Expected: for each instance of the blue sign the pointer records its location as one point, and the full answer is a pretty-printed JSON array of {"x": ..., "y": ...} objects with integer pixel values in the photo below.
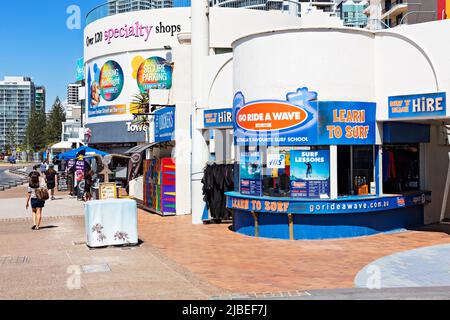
[
  {"x": 250, "y": 174},
  {"x": 80, "y": 69},
  {"x": 218, "y": 118},
  {"x": 418, "y": 105},
  {"x": 346, "y": 123},
  {"x": 276, "y": 122},
  {"x": 344, "y": 205},
  {"x": 310, "y": 174},
  {"x": 165, "y": 125}
]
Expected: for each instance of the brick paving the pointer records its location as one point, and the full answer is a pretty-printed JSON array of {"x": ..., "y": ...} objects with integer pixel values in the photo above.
[
  {"x": 178, "y": 260},
  {"x": 241, "y": 264}
]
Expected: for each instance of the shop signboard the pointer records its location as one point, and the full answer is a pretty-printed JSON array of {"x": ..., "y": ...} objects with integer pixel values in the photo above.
[
  {"x": 165, "y": 125},
  {"x": 346, "y": 123},
  {"x": 297, "y": 206},
  {"x": 113, "y": 82},
  {"x": 218, "y": 118},
  {"x": 108, "y": 191},
  {"x": 310, "y": 173},
  {"x": 80, "y": 69},
  {"x": 276, "y": 161},
  {"x": 276, "y": 122},
  {"x": 250, "y": 174},
  {"x": 417, "y": 106}
]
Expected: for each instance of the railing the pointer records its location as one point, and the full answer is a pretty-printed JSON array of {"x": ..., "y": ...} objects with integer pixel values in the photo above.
[
  {"x": 285, "y": 6},
  {"x": 119, "y": 6}
]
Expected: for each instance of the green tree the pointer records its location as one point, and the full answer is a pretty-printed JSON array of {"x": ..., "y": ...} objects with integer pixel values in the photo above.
[
  {"x": 11, "y": 136},
  {"x": 35, "y": 132},
  {"x": 53, "y": 128},
  {"x": 139, "y": 105}
]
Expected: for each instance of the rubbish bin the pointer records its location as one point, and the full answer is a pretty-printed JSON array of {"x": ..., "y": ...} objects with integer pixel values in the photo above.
[{"x": 111, "y": 222}]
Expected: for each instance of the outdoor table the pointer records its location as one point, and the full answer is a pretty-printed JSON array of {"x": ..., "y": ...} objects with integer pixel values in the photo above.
[{"x": 111, "y": 222}]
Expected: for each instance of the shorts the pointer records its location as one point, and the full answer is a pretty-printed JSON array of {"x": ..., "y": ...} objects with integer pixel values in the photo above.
[
  {"x": 36, "y": 203},
  {"x": 51, "y": 185}
]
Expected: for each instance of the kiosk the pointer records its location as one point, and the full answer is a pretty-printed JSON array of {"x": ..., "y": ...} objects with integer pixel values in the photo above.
[{"x": 311, "y": 169}]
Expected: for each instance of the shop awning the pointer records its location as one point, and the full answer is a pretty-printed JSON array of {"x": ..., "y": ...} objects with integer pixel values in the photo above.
[
  {"x": 143, "y": 147},
  {"x": 62, "y": 145},
  {"x": 140, "y": 148},
  {"x": 72, "y": 154}
]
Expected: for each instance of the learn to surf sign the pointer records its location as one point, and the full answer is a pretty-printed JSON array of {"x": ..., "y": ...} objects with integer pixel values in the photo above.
[{"x": 276, "y": 122}]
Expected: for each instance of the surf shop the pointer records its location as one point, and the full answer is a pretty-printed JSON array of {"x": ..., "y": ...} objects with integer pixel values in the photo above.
[{"x": 311, "y": 169}]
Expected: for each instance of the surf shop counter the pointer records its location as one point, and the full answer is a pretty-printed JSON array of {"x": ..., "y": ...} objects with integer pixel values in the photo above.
[{"x": 352, "y": 216}]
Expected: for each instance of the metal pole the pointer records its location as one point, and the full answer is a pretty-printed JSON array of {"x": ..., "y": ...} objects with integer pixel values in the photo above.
[
  {"x": 401, "y": 21},
  {"x": 446, "y": 191},
  {"x": 199, "y": 148}
]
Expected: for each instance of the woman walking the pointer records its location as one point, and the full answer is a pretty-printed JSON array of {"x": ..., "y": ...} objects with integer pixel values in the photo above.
[
  {"x": 36, "y": 193},
  {"x": 51, "y": 176}
]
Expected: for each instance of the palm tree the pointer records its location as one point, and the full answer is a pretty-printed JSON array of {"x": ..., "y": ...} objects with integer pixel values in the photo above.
[{"x": 139, "y": 105}]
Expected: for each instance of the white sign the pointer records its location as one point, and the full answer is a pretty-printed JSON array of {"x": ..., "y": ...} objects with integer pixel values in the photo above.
[{"x": 276, "y": 161}]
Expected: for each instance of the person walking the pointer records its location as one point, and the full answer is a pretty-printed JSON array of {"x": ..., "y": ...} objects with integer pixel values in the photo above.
[
  {"x": 43, "y": 167},
  {"x": 88, "y": 182},
  {"x": 51, "y": 177},
  {"x": 35, "y": 194}
]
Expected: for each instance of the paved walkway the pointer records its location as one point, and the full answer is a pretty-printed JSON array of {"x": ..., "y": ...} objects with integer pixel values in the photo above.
[
  {"x": 13, "y": 201},
  {"x": 177, "y": 260},
  {"x": 423, "y": 267},
  {"x": 242, "y": 264}
]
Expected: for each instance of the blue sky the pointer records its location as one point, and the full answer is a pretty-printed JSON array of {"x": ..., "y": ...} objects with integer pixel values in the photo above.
[{"x": 35, "y": 42}]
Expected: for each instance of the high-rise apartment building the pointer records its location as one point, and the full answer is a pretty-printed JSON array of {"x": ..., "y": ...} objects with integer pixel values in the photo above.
[
  {"x": 120, "y": 6},
  {"x": 40, "y": 99},
  {"x": 293, "y": 7},
  {"x": 17, "y": 99},
  {"x": 392, "y": 13},
  {"x": 351, "y": 12}
]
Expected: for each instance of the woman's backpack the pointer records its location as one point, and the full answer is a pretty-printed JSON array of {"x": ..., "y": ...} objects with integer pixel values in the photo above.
[
  {"x": 42, "y": 194},
  {"x": 34, "y": 180}
]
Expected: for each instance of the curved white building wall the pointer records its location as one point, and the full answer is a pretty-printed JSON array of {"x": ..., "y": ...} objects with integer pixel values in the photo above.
[
  {"x": 333, "y": 63},
  {"x": 352, "y": 65}
]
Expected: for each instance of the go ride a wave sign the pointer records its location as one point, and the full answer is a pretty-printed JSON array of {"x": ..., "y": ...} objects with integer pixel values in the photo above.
[
  {"x": 303, "y": 120},
  {"x": 276, "y": 122}
]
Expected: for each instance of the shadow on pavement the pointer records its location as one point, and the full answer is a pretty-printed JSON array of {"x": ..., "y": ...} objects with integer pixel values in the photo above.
[
  {"x": 48, "y": 227},
  {"x": 443, "y": 227}
]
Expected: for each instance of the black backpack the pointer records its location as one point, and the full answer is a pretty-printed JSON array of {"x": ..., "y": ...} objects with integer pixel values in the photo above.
[{"x": 34, "y": 179}]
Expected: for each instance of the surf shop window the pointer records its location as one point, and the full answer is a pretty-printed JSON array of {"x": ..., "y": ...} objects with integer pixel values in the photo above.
[
  {"x": 401, "y": 169},
  {"x": 299, "y": 172},
  {"x": 356, "y": 170}
]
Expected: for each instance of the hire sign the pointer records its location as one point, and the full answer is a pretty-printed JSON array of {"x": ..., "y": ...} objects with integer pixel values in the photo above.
[{"x": 418, "y": 105}]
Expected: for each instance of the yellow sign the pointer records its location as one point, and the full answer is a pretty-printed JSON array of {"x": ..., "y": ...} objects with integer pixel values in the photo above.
[{"x": 108, "y": 191}]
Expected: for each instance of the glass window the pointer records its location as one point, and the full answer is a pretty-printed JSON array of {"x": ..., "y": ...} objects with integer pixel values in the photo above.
[
  {"x": 401, "y": 168},
  {"x": 356, "y": 170},
  {"x": 300, "y": 172}
]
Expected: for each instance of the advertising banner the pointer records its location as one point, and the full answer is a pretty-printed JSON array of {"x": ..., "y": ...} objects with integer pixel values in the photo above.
[
  {"x": 80, "y": 69},
  {"x": 105, "y": 84},
  {"x": 218, "y": 118},
  {"x": 113, "y": 82},
  {"x": 250, "y": 174},
  {"x": 165, "y": 125},
  {"x": 276, "y": 122},
  {"x": 346, "y": 123},
  {"x": 310, "y": 174},
  {"x": 417, "y": 105}
]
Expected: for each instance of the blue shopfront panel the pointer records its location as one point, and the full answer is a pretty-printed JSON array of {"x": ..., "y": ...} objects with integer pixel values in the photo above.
[
  {"x": 403, "y": 132},
  {"x": 316, "y": 227},
  {"x": 244, "y": 223},
  {"x": 273, "y": 225},
  {"x": 427, "y": 105}
]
